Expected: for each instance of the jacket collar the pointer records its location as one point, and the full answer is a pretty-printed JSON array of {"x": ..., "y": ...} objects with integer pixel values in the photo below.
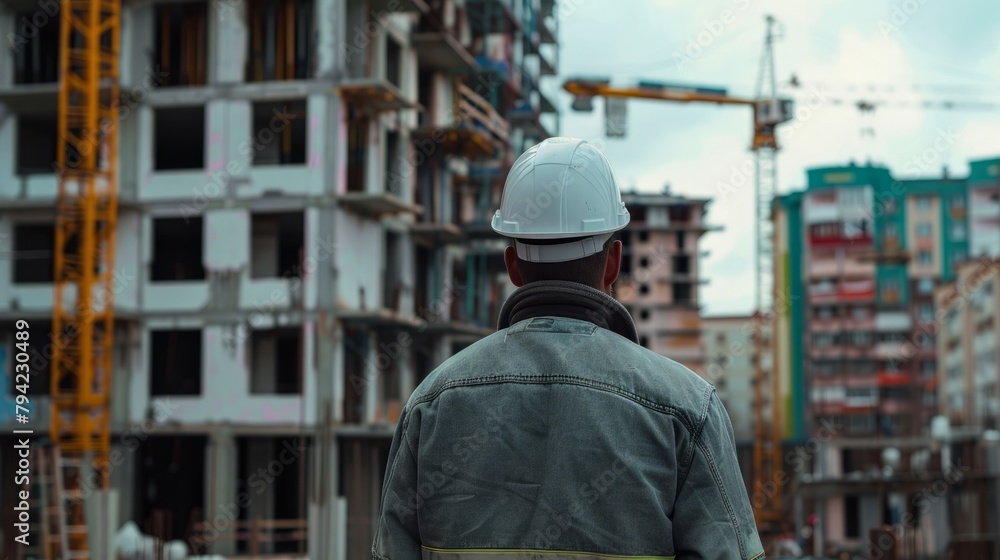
[{"x": 557, "y": 298}]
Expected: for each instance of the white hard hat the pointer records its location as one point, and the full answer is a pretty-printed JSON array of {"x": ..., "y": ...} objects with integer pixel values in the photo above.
[{"x": 562, "y": 188}]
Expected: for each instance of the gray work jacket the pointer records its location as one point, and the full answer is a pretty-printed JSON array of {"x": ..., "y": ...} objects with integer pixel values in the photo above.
[{"x": 556, "y": 438}]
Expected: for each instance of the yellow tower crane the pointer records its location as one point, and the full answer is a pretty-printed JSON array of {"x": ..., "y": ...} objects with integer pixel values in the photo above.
[
  {"x": 768, "y": 112},
  {"x": 83, "y": 318}
]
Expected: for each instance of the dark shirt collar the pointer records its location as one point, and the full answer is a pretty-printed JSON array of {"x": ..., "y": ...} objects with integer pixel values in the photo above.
[{"x": 557, "y": 298}]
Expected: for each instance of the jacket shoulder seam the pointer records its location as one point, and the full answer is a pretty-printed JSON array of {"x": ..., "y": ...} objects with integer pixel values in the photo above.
[
  {"x": 688, "y": 458},
  {"x": 563, "y": 379}
]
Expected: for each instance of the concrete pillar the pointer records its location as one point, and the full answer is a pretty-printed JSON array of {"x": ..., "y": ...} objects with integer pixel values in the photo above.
[
  {"x": 819, "y": 536},
  {"x": 220, "y": 487},
  {"x": 337, "y": 46},
  {"x": 227, "y": 34},
  {"x": 260, "y": 452},
  {"x": 370, "y": 389}
]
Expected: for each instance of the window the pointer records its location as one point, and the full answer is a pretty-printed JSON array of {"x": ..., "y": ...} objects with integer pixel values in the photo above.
[
  {"x": 642, "y": 236},
  {"x": 860, "y": 367},
  {"x": 393, "y": 56},
  {"x": 924, "y": 257},
  {"x": 889, "y": 232},
  {"x": 680, "y": 240},
  {"x": 644, "y": 262},
  {"x": 923, "y": 202},
  {"x": 644, "y": 315},
  {"x": 824, "y": 368},
  {"x": 925, "y": 286},
  {"x": 643, "y": 289},
  {"x": 396, "y": 170},
  {"x": 823, "y": 340},
  {"x": 861, "y": 313},
  {"x": 958, "y": 231},
  {"x": 34, "y": 245},
  {"x": 928, "y": 368},
  {"x": 890, "y": 290},
  {"x": 923, "y": 229},
  {"x": 175, "y": 362},
  {"x": 682, "y": 292},
  {"x": 889, "y": 206},
  {"x": 679, "y": 213},
  {"x": 925, "y": 312},
  {"x": 682, "y": 264},
  {"x": 957, "y": 201},
  {"x": 36, "y": 142},
  {"x": 958, "y": 257},
  {"x": 177, "y": 246},
  {"x": 277, "y": 243},
  {"x": 279, "y": 132},
  {"x": 275, "y": 358},
  {"x": 180, "y": 43},
  {"x": 925, "y": 340},
  {"x": 859, "y": 338},
  {"x": 36, "y": 57},
  {"x": 179, "y": 138},
  {"x": 861, "y": 393},
  {"x": 279, "y": 42},
  {"x": 825, "y": 313}
]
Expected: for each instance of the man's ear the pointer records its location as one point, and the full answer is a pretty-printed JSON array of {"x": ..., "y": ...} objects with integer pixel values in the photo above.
[
  {"x": 613, "y": 266},
  {"x": 510, "y": 259}
]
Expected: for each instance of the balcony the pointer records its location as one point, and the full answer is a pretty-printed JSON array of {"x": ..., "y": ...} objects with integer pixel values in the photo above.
[
  {"x": 476, "y": 130},
  {"x": 376, "y": 93},
  {"x": 376, "y": 205},
  {"x": 894, "y": 379},
  {"x": 435, "y": 234},
  {"x": 893, "y": 321},
  {"x": 441, "y": 51}
]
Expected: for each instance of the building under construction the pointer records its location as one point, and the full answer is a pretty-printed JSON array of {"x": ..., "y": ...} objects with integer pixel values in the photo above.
[
  {"x": 858, "y": 343},
  {"x": 304, "y": 190}
]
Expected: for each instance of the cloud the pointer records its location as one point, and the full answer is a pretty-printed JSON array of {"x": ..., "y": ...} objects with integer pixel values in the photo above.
[{"x": 834, "y": 43}]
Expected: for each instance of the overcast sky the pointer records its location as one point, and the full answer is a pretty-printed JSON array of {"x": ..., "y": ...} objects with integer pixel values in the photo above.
[{"x": 838, "y": 49}]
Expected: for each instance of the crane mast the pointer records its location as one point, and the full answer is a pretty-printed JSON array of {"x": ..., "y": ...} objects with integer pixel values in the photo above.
[{"x": 86, "y": 211}]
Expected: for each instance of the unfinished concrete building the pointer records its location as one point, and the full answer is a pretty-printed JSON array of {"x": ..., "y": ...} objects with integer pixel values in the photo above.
[
  {"x": 304, "y": 192},
  {"x": 660, "y": 278}
]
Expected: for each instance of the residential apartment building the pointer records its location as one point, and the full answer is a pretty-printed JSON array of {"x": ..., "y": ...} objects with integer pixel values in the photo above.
[
  {"x": 858, "y": 254},
  {"x": 304, "y": 195},
  {"x": 969, "y": 345},
  {"x": 729, "y": 366},
  {"x": 660, "y": 274}
]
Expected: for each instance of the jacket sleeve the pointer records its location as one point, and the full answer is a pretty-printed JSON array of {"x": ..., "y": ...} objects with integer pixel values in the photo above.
[
  {"x": 396, "y": 535},
  {"x": 712, "y": 516}
]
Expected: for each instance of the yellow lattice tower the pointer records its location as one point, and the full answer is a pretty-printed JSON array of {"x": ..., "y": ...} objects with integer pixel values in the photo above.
[{"x": 83, "y": 319}]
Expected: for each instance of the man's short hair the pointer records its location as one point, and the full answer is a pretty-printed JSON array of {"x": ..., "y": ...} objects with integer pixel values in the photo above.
[{"x": 589, "y": 270}]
